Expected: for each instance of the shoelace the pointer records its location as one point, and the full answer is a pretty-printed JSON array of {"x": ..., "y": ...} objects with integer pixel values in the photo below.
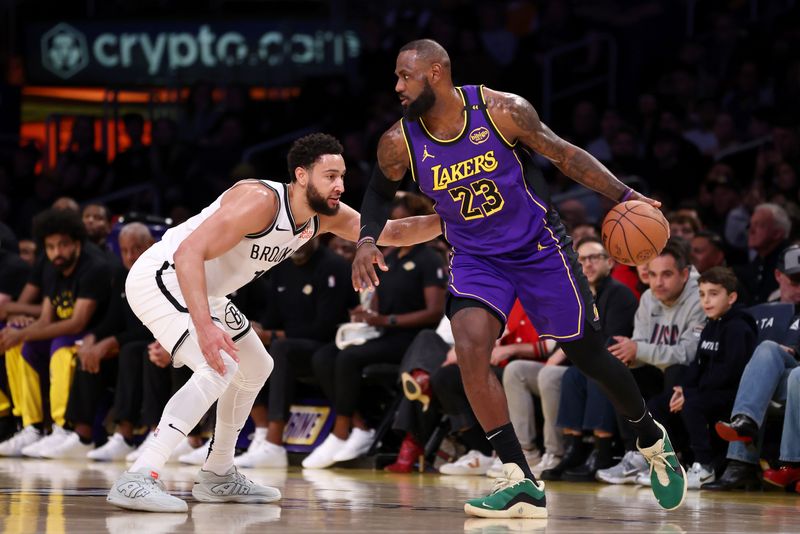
[
  {"x": 240, "y": 478},
  {"x": 155, "y": 482},
  {"x": 501, "y": 483},
  {"x": 660, "y": 463}
]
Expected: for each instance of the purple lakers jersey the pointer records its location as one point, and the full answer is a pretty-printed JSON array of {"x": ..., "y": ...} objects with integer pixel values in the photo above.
[{"x": 477, "y": 183}]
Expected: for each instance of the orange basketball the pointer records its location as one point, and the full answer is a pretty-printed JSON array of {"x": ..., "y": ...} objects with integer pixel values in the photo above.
[{"x": 634, "y": 232}]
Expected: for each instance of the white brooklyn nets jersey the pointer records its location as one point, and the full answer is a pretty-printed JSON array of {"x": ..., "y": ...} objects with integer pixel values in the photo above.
[{"x": 255, "y": 254}]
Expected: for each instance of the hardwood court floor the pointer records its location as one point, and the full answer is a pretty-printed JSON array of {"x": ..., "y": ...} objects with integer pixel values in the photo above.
[{"x": 59, "y": 497}]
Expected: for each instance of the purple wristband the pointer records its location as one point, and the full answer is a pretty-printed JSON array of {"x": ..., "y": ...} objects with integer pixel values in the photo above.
[
  {"x": 628, "y": 194},
  {"x": 366, "y": 239}
]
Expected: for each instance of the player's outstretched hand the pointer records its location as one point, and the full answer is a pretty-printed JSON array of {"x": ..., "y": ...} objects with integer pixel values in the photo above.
[
  {"x": 212, "y": 340},
  {"x": 364, "y": 275}
]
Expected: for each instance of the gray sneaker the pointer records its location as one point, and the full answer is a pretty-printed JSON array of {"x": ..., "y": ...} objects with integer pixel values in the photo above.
[
  {"x": 144, "y": 492},
  {"x": 231, "y": 487},
  {"x": 632, "y": 465}
]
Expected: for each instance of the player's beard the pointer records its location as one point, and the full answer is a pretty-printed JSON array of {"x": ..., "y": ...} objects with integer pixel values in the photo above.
[
  {"x": 318, "y": 202},
  {"x": 66, "y": 263},
  {"x": 420, "y": 105}
]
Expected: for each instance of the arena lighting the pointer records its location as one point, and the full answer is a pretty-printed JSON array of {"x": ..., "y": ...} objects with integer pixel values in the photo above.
[{"x": 143, "y": 96}]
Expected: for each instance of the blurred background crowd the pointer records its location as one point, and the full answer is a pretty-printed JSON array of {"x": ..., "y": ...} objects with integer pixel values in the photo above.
[{"x": 692, "y": 103}]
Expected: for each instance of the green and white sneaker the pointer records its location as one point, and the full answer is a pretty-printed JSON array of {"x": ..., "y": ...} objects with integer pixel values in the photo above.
[
  {"x": 513, "y": 496},
  {"x": 667, "y": 476}
]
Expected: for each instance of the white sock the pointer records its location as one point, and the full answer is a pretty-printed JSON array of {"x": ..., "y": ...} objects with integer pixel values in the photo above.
[
  {"x": 260, "y": 434},
  {"x": 233, "y": 409},
  {"x": 234, "y": 405},
  {"x": 186, "y": 407}
]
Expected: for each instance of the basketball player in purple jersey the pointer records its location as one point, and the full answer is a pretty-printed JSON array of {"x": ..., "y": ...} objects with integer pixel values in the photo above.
[{"x": 466, "y": 148}]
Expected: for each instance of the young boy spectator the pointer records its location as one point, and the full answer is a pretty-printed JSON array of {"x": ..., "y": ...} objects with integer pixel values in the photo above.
[
  {"x": 708, "y": 386},
  {"x": 764, "y": 379}
]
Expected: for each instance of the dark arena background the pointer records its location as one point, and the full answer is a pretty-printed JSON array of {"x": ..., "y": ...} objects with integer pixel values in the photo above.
[{"x": 146, "y": 111}]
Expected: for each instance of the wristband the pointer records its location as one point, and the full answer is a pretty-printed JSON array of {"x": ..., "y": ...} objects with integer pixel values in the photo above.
[
  {"x": 628, "y": 194},
  {"x": 365, "y": 239}
]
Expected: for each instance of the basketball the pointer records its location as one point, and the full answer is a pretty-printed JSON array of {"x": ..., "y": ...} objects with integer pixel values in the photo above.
[{"x": 634, "y": 232}]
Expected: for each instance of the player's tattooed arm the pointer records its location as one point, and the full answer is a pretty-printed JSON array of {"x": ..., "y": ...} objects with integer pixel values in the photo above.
[
  {"x": 517, "y": 120},
  {"x": 392, "y": 153}
]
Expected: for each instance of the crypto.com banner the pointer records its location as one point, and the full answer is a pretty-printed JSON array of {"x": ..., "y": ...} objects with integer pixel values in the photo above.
[{"x": 149, "y": 53}]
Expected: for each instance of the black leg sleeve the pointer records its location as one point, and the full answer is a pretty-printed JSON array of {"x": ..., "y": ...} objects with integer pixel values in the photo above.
[{"x": 590, "y": 355}]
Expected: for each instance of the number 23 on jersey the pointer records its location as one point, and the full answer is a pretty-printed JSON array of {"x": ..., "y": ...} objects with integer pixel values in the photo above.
[{"x": 471, "y": 206}]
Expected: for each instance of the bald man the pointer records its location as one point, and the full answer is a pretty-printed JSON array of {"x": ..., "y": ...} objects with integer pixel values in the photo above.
[{"x": 469, "y": 150}]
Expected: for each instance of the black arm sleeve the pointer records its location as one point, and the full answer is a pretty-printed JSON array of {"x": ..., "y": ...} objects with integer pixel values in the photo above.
[{"x": 377, "y": 204}]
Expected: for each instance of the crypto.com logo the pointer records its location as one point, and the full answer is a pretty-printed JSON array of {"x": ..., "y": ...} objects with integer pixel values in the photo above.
[{"x": 64, "y": 51}]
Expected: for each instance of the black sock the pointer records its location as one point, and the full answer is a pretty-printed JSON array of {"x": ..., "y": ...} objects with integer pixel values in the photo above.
[
  {"x": 505, "y": 442},
  {"x": 603, "y": 446},
  {"x": 474, "y": 439},
  {"x": 646, "y": 429},
  {"x": 39, "y": 427},
  {"x": 129, "y": 441}
]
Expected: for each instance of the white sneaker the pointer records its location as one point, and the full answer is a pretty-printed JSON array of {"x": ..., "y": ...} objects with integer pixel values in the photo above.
[
  {"x": 548, "y": 461},
  {"x": 196, "y": 456},
  {"x": 627, "y": 471},
  {"x": 532, "y": 456},
  {"x": 472, "y": 463},
  {"x": 322, "y": 456},
  {"x": 135, "y": 453},
  {"x": 70, "y": 447},
  {"x": 231, "y": 487},
  {"x": 184, "y": 447},
  {"x": 643, "y": 479},
  {"x": 496, "y": 469},
  {"x": 263, "y": 454},
  {"x": 22, "y": 438},
  {"x": 699, "y": 474},
  {"x": 46, "y": 443},
  {"x": 356, "y": 445},
  {"x": 143, "y": 491},
  {"x": 116, "y": 448}
]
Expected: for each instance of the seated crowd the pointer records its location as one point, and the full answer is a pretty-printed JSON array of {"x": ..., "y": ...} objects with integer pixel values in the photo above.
[{"x": 713, "y": 348}]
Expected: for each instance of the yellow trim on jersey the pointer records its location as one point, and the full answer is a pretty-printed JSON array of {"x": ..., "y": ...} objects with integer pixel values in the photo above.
[
  {"x": 525, "y": 182},
  {"x": 476, "y": 297},
  {"x": 411, "y": 162},
  {"x": 456, "y": 138},
  {"x": 489, "y": 115},
  {"x": 574, "y": 289}
]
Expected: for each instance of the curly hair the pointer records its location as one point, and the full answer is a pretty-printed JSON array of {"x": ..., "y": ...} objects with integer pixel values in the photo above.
[
  {"x": 52, "y": 222},
  {"x": 307, "y": 150}
]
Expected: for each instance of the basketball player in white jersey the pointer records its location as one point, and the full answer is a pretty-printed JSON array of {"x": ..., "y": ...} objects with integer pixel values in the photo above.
[{"x": 178, "y": 289}]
